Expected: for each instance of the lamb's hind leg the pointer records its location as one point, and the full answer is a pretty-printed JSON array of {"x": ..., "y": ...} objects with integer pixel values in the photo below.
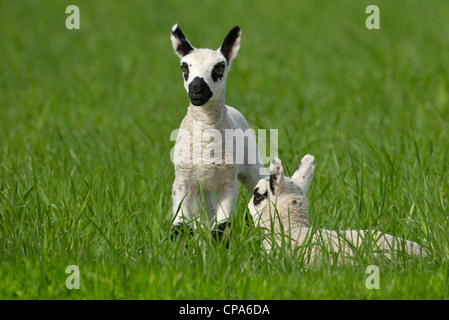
[{"x": 386, "y": 244}]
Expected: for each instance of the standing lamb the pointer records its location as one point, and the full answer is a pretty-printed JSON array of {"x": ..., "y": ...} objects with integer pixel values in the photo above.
[
  {"x": 279, "y": 205},
  {"x": 211, "y": 138}
]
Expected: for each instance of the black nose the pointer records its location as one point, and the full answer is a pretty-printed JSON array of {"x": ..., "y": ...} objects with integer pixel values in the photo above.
[{"x": 199, "y": 91}]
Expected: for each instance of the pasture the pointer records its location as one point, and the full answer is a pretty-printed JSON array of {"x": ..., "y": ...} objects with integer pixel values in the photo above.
[{"x": 86, "y": 117}]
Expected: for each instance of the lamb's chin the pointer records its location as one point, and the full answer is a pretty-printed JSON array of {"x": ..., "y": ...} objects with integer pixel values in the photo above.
[{"x": 198, "y": 102}]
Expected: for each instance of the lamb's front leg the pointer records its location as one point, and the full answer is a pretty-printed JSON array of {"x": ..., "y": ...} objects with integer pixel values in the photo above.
[
  {"x": 186, "y": 197},
  {"x": 227, "y": 197}
]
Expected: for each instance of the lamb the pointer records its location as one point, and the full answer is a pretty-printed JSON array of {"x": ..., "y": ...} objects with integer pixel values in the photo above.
[
  {"x": 279, "y": 205},
  {"x": 211, "y": 137}
]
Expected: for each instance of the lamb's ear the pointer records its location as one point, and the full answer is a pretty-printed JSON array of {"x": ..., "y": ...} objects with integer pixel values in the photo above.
[
  {"x": 304, "y": 172},
  {"x": 276, "y": 176},
  {"x": 181, "y": 45},
  {"x": 231, "y": 44}
]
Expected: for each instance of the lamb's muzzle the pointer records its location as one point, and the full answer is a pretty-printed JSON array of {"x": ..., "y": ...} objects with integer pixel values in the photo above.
[{"x": 199, "y": 92}]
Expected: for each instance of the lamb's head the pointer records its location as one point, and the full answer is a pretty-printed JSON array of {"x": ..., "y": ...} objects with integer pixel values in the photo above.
[
  {"x": 282, "y": 199},
  {"x": 205, "y": 70}
]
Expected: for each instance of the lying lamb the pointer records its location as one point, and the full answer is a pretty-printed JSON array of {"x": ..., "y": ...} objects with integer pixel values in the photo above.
[{"x": 279, "y": 205}]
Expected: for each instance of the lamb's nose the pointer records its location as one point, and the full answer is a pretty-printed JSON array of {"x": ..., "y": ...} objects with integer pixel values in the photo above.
[
  {"x": 197, "y": 86},
  {"x": 199, "y": 91}
]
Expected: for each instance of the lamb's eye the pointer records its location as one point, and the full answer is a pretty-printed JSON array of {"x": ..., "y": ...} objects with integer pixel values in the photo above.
[
  {"x": 185, "y": 70},
  {"x": 218, "y": 71},
  {"x": 259, "y": 197}
]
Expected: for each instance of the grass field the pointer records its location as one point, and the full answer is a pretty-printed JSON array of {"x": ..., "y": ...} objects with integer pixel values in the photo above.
[{"x": 85, "y": 123}]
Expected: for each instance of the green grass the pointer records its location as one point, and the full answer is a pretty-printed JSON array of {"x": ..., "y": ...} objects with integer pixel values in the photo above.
[{"x": 85, "y": 123}]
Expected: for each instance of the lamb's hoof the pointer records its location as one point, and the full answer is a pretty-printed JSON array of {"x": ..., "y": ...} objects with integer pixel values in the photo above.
[
  {"x": 222, "y": 231},
  {"x": 178, "y": 231}
]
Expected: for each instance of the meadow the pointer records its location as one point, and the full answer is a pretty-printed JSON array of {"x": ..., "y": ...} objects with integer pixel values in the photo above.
[{"x": 85, "y": 123}]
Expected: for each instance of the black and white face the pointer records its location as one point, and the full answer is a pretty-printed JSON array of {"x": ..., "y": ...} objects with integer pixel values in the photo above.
[
  {"x": 204, "y": 70},
  {"x": 281, "y": 194},
  {"x": 259, "y": 200}
]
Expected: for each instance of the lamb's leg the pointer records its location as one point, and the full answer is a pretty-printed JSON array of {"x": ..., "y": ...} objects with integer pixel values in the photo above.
[
  {"x": 209, "y": 204},
  {"x": 227, "y": 199},
  {"x": 385, "y": 243},
  {"x": 186, "y": 197}
]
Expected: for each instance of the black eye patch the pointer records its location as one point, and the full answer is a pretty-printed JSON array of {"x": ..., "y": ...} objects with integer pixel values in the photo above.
[
  {"x": 185, "y": 70},
  {"x": 259, "y": 197},
  {"x": 218, "y": 71}
]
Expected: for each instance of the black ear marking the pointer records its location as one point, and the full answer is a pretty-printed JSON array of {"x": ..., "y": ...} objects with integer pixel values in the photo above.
[
  {"x": 182, "y": 46},
  {"x": 276, "y": 175},
  {"x": 273, "y": 178},
  {"x": 231, "y": 44}
]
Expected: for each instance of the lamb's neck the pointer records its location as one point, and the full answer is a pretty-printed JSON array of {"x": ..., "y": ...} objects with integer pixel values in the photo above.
[{"x": 209, "y": 113}]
